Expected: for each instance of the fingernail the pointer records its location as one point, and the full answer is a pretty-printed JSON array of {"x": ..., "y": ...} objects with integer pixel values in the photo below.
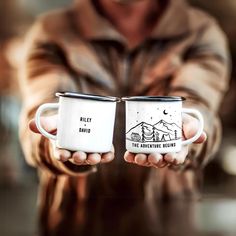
[{"x": 65, "y": 158}]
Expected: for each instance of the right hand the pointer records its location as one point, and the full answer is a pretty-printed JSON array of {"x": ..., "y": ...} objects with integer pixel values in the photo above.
[{"x": 78, "y": 158}]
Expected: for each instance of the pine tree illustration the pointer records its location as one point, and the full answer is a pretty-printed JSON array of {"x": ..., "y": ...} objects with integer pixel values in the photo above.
[
  {"x": 143, "y": 137},
  {"x": 153, "y": 133},
  {"x": 176, "y": 134}
]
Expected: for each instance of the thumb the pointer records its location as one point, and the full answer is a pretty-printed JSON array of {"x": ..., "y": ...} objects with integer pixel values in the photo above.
[
  {"x": 49, "y": 123},
  {"x": 190, "y": 128}
]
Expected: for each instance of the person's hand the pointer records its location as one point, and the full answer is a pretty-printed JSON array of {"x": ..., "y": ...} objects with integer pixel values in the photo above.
[
  {"x": 190, "y": 127},
  {"x": 79, "y": 157}
]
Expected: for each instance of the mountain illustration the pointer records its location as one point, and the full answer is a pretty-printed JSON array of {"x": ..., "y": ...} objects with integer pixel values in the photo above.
[
  {"x": 168, "y": 127},
  {"x": 161, "y": 131}
]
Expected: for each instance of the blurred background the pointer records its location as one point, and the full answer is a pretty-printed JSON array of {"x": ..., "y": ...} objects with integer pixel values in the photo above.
[{"x": 214, "y": 215}]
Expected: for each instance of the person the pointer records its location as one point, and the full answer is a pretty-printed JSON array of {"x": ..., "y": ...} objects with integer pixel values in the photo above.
[{"x": 122, "y": 48}]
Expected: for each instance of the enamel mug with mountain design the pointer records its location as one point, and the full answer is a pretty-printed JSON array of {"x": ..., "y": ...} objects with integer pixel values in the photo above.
[{"x": 154, "y": 124}]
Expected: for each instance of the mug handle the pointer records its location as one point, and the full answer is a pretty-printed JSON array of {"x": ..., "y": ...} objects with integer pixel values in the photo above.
[
  {"x": 201, "y": 125},
  {"x": 40, "y": 110}
]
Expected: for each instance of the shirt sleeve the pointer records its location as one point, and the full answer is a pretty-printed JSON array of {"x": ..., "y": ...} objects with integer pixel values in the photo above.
[
  {"x": 203, "y": 79},
  {"x": 43, "y": 73}
]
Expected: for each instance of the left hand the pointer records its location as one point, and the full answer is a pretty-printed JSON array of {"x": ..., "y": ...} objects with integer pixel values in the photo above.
[
  {"x": 190, "y": 127},
  {"x": 49, "y": 123}
]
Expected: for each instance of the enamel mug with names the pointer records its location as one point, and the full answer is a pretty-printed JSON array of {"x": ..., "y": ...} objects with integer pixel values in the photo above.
[
  {"x": 154, "y": 124},
  {"x": 85, "y": 122}
]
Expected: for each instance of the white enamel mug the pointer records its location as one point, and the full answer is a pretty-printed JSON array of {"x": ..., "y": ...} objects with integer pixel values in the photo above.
[
  {"x": 85, "y": 122},
  {"x": 154, "y": 124}
]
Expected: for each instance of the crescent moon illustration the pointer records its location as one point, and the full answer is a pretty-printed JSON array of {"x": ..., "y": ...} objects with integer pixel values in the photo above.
[{"x": 164, "y": 112}]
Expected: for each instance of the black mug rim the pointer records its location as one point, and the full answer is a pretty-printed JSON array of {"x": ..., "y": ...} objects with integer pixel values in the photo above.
[
  {"x": 88, "y": 96},
  {"x": 153, "y": 98}
]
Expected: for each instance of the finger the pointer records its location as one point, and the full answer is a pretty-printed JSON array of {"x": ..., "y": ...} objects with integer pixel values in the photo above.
[
  {"x": 93, "y": 158},
  {"x": 107, "y": 157},
  {"x": 170, "y": 157},
  {"x": 140, "y": 159},
  {"x": 61, "y": 154},
  {"x": 129, "y": 157},
  {"x": 156, "y": 159},
  {"x": 161, "y": 164},
  {"x": 147, "y": 164},
  {"x": 181, "y": 156},
  {"x": 48, "y": 123},
  {"x": 177, "y": 158},
  {"x": 79, "y": 157},
  {"x": 190, "y": 128}
]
